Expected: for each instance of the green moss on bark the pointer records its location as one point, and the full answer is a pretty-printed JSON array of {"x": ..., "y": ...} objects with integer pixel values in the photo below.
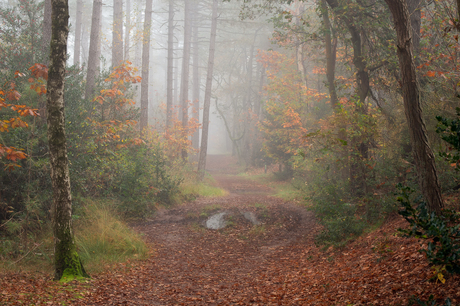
[
  {"x": 74, "y": 270},
  {"x": 67, "y": 262}
]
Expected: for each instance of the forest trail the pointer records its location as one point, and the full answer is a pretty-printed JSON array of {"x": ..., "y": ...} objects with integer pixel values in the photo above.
[
  {"x": 193, "y": 265},
  {"x": 273, "y": 263}
]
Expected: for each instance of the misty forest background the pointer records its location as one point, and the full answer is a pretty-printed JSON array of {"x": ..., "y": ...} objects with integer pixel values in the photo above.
[{"x": 288, "y": 85}]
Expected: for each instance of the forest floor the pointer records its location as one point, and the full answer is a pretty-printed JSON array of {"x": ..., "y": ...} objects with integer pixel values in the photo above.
[{"x": 273, "y": 263}]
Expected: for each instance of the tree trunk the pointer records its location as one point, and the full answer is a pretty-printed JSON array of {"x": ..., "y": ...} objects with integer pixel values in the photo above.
[
  {"x": 117, "y": 33},
  {"x": 169, "y": 74},
  {"x": 145, "y": 67},
  {"x": 423, "y": 155},
  {"x": 66, "y": 261},
  {"x": 84, "y": 44},
  {"x": 415, "y": 14},
  {"x": 207, "y": 94},
  {"x": 46, "y": 31},
  {"x": 458, "y": 10},
  {"x": 128, "y": 29},
  {"x": 331, "y": 55},
  {"x": 77, "y": 45},
  {"x": 184, "y": 85},
  {"x": 93, "y": 58},
  {"x": 196, "y": 75},
  {"x": 358, "y": 182},
  {"x": 138, "y": 53}
]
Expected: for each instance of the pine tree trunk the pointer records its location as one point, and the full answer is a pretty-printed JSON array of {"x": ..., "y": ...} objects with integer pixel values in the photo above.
[
  {"x": 207, "y": 94},
  {"x": 84, "y": 44},
  {"x": 169, "y": 73},
  {"x": 117, "y": 33},
  {"x": 128, "y": 29},
  {"x": 184, "y": 86},
  {"x": 77, "y": 45},
  {"x": 46, "y": 31},
  {"x": 145, "y": 67},
  {"x": 66, "y": 261},
  {"x": 360, "y": 147},
  {"x": 423, "y": 155},
  {"x": 93, "y": 58},
  {"x": 331, "y": 55},
  {"x": 196, "y": 75},
  {"x": 138, "y": 53}
]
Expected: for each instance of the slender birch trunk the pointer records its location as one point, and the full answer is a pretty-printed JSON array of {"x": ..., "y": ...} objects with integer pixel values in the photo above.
[{"x": 67, "y": 263}]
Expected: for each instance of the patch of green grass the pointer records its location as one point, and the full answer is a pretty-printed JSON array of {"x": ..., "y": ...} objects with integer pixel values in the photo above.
[
  {"x": 288, "y": 192},
  {"x": 102, "y": 238},
  {"x": 263, "y": 210},
  {"x": 257, "y": 230},
  {"x": 260, "y": 205},
  {"x": 196, "y": 227},
  {"x": 285, "y": 190},
  {"x": 192, "y": 190},
  {"x": 208, "y": 209}
]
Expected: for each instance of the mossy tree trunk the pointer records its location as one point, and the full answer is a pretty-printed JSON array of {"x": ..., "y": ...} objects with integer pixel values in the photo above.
[{"x": 67, "y": 263}]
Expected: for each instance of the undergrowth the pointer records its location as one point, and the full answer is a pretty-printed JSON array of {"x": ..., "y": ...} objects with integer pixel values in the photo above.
[{"x": 101, "y": 237}]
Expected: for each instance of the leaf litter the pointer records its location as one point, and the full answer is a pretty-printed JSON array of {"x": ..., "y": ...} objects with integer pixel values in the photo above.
[{"x": 274, "y": 263}]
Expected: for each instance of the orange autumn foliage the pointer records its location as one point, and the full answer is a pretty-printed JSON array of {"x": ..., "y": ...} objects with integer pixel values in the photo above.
[{"x": 9, "y": 93}]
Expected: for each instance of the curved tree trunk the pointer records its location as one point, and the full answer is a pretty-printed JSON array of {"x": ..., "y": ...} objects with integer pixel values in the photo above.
[
  {"x": 66, "y": 261},
  {"x": 423, "y": 155}
]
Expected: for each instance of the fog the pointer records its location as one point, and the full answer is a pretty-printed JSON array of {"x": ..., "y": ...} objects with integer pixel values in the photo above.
[{"x": 235, "y": 38}]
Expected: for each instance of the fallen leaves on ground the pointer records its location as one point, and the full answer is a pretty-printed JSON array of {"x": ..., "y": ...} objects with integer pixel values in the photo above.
[{"x": 276, "y": 263}]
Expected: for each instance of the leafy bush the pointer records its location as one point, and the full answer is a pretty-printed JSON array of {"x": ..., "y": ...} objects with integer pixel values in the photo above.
[
  {"x": 442, "y": 232},
  {"x": 143, "y": 178},
  {"x": 449, "y": 129},
  {"x": 339, "y": 217}
]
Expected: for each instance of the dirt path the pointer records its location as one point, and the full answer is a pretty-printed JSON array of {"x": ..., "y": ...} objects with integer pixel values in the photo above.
[
  {"x": 273, "y": 263},
  {"x": 193, "y": 265}
]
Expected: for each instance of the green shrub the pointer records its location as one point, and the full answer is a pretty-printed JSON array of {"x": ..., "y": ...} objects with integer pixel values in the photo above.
[
  {"x": 441, "y": 232},
  {"x": 338, "y": 216}
]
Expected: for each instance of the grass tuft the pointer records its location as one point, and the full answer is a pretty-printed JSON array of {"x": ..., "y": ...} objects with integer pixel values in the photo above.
[
  {"x": 192, "y": 190},
  {"x": 102, "y": 238}
]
